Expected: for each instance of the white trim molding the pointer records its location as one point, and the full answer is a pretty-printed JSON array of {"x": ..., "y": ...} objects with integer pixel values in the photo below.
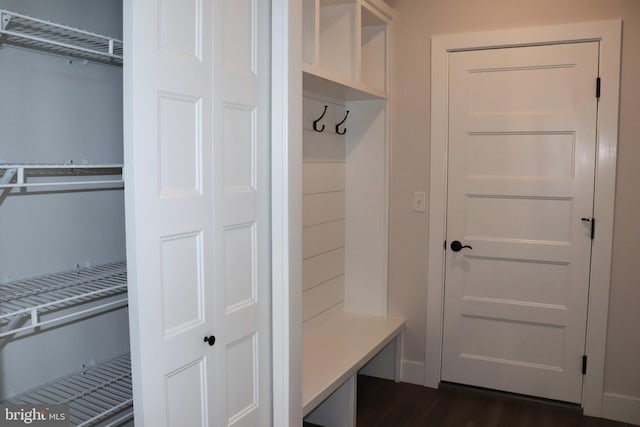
[
  {"x": 609, "y": 35},
  {"x": 621, "y": 408},
  {"x": 412, "y": 372},
  {"x": 286, "y": 212}
]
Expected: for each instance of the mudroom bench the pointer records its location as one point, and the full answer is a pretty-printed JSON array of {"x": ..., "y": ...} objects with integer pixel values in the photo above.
[{"x": 334, "y": 351}]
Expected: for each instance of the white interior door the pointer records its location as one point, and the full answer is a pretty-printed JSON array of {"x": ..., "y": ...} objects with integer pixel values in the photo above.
[
  {"x": 197, "y": 198},
  {"x": 522, "y": 134}
]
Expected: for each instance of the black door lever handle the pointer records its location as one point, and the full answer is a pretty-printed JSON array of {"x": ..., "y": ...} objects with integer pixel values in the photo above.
[{"x": 456, "y": 246}]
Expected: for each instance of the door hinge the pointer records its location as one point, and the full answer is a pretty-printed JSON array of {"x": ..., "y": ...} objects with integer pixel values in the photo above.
[
  {"x": 593, "y": 226},
  {"x": 598, "y": 82},
  {"x": 584, "y": 364}
]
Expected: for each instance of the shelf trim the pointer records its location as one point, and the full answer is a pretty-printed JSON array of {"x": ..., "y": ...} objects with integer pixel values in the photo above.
[
  {"x": 383, "y": 10},
  {"x": 378, "y": 13},
  {"x": 349, "y": 89}
]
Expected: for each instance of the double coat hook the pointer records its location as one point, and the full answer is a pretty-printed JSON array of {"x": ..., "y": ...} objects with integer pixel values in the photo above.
[{"x": 320, "y": 129}]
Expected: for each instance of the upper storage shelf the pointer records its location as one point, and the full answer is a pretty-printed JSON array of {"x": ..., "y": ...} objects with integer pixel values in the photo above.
[
  {"x": 24, "y": 31},
  {"x": 57, "y": 175},
  {"x": 345, "y": 45}
]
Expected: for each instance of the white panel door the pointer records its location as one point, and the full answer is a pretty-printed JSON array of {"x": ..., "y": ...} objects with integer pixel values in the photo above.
[
  {"x": 198, "y": 227},
  {"x": 242, "y": 224},
  {"x": 522, "y": 133}
]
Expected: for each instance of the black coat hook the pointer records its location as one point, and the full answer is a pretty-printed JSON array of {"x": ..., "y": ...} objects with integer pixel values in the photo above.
[
  {"x": 315, "y": 122},
  {"x": 338, "y": 125}
]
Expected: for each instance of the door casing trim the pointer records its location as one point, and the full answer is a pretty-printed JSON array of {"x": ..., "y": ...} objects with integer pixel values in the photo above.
[
  {"x": 609, "y": 35},
  {"x": 286, "y": 212}
]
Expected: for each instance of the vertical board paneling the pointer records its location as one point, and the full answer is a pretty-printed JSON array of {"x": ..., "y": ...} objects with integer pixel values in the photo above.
[
  {"x": 322, "y": 177},
  {"x": 323, "y": 297},
  {"x": 319, "y": 269},
  {"x": 323, "y": 209},
  {"x": 321, "y": 238}
]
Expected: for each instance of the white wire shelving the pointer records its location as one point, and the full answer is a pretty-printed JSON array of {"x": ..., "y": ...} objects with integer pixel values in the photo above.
[
  {"x": 23, "y": 302},
  {"x": 59, "y": 175},
  {"x": 99, "y": 395},
  {"x": 28, "y": 32}
]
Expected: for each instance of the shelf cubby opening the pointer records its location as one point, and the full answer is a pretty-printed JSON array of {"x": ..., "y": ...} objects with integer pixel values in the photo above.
[
  {"x": 374, "y": 50},
  {"x": 310, "y": 24},
  {"x": 338, "y": 38}
]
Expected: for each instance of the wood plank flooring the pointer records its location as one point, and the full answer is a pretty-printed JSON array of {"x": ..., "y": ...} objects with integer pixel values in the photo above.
[{"x": 383, "y": 403}]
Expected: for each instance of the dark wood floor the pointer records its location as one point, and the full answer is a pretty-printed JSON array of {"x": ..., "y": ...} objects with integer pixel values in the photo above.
[{"x": 383, "y": 403}]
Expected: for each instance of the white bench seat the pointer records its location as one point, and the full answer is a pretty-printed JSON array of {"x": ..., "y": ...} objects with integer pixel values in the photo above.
[{"x": 337, "y": 348}]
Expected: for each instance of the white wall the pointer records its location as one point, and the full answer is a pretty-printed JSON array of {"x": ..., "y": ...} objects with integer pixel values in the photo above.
[
  {"x": 414, "y": 23},
  {"x": 53, "y": 110}
]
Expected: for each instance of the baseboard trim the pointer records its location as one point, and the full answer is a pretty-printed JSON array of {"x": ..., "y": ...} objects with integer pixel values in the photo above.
[
  {"x": 622, "y": 408},
  {"x": 412, "y": 372}
]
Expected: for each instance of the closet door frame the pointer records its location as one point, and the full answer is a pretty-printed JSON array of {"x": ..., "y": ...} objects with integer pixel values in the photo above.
[
  {"x": 609, "y": 35},
  {"x": 286, "y": 211}
]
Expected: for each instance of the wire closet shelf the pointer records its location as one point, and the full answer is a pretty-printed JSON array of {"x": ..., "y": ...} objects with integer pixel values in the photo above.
[
  {"x": 59, "y": 175},
  {"x": 50, "y": 294},
  {"x": 98, "y": 395},
  {"x": 25, "y": 31}
]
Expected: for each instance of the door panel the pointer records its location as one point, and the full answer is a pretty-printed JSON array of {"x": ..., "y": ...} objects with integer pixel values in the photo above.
[
  {"x": 186, "y": 391},
  {"x": 197, "y": 192},
  {"x": 169, "y": 201},
  {"x": 242, "y": 222},
  {"x": 520, "y": 178}
]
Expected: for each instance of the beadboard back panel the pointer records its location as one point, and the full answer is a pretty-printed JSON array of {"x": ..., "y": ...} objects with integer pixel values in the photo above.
[{"x": 323, "y": 208}]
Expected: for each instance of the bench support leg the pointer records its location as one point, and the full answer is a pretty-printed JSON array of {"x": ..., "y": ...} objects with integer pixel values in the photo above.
[
  {"x": 339, "y": 410},
  {"x": 399, "y": 343}
]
